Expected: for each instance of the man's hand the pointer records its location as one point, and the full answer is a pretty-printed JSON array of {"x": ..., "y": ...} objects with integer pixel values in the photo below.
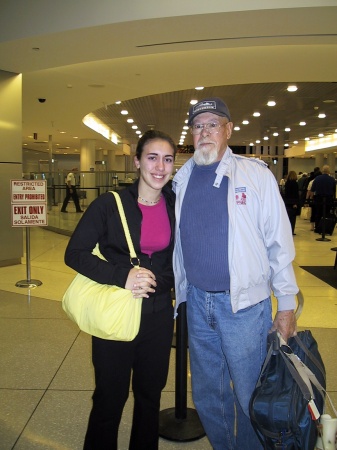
[{"x": 285, "y": 324}]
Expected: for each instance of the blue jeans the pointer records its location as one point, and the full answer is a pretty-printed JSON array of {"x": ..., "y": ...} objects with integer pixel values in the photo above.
[{"x": 227, "y": 351}]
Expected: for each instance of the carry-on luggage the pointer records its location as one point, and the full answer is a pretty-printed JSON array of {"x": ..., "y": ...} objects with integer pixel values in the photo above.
[
  {"x": 290, "y": 393},
  {"x": 330, "y": 223}
]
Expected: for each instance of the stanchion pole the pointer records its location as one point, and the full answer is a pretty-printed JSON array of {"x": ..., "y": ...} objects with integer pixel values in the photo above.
[
  {"x": 28, "y": 282},
  {"x": 180, "y": 423}
]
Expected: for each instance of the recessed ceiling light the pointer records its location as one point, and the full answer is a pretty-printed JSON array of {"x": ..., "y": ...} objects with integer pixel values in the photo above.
[
  {"x": 275, "y": 134},
  {"x": 258, "y": 142},
  {"x": 199, "y": 88},
  {"x": 124, "y": 112},
  {"x": 185, "y": 127},
  {"x": 302, "y": 124},
  {"x": 321, "y": 116},
  {"x": 193, "y": 102},
  {"x": 138, "y": 132},
  {"x": 245, "y": 122},
  {"x": 271, "y": 103},
  {"x": 237, "y": 128},
  {"x": 287, "y": 129},
  {"x": 307, "y": 139},
  {"x": 266, "y": 138},
  {"x": 118, "y": 102},
  {"x": 295, "y": 142},
  {"x": 292, "y": 88},
  {"x": 134, "y": 127},
  {"x": 329, "y": 101},
  {"x": 251, "y": 144},
  {"x": 130, "y": 120},
  {"x": 321, "y": 135},
  {"x": 256, "y": 114},
  {"x": 184, "y": 132}
]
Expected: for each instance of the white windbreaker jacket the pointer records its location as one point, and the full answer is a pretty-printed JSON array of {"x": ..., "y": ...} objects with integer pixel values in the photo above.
[{"x": 261, "y": 248}]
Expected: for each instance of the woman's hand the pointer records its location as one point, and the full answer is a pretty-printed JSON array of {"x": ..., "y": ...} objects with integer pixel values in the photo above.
[{"x": 141, "y": 282}]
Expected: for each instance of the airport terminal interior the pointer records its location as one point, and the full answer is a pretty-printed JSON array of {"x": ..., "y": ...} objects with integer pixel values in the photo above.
[
  {"x": 135, "y": 65},
  {"x": 46, "y": 377}
]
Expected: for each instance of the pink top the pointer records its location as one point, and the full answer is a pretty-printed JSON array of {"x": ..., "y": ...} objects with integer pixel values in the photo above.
[{"x": 156, "y": 230}]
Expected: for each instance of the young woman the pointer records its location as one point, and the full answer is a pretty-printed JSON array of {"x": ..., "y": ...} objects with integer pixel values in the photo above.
[{"x": 149, "y": 210}]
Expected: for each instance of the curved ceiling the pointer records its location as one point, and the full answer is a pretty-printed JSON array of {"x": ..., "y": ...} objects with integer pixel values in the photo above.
[{"x": 84, "y": 61}]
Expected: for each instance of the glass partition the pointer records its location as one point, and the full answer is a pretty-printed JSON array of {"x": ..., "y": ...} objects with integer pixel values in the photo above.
[{"x": 89, "y": 186}]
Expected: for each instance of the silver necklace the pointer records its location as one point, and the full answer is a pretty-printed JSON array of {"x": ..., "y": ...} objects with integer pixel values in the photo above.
[{"x": 147, "y": 201}]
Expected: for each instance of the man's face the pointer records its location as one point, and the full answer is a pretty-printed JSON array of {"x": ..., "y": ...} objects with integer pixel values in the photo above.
[{"x": 210, "y": 145}]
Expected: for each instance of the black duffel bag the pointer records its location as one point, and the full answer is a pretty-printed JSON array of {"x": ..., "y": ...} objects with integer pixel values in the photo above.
[{"x": 289, "y": 396}]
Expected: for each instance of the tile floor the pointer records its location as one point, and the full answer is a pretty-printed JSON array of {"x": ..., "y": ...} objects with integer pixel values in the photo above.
[{"x": 46, "y": 377}]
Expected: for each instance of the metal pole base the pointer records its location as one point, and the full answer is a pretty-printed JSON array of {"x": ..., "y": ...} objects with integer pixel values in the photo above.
[
  {"x": 181, "y": 430},
  {"x": 323, "y": 239},
  {"x": 28, "y": 283}
]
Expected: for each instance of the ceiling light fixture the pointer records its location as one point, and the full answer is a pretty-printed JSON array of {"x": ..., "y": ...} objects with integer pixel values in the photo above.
[
  {"x": 236, "y": 128},
  {"x": 124, "y": 112},
  {"x": 130, "y": 120},
  {"x": 321, "y": 116},
  {"x": 275, "y": 134},
  {"x": 245, "y": 122},
  {"x": 302, "y": 124},
  {"x": 193, "y": 102},
  {"x": 287, "y": 129},
  {"x": 271, "y": 103},
  {"x": 199, "y": 88},
  {"x": 256, "y": 114},
  {"x": 134, "y": 127},
  {"x": 292, "y": 88}
]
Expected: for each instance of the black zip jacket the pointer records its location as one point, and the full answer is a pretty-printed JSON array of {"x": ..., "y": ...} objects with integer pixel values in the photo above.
[{"x": 101, "y": 223}]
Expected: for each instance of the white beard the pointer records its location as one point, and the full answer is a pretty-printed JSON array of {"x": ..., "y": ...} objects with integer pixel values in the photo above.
[{"x": 205, "y": 158}]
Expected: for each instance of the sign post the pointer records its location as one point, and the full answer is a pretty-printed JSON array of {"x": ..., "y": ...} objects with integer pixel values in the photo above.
[{"x": 29, "y": 208}]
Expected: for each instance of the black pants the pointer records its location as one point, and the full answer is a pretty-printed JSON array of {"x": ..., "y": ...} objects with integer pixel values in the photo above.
[
  {"x": 70, "y": 195},
  {"x": 147, "y": 357},
  {"x": 323, "y": 206},
  {"x": 292, "y": 213}
]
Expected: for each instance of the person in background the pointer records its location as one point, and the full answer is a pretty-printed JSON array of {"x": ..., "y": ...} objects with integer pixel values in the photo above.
[
  {"x": 149, "y": 210},
  {"x": 291, "y": 198},
  {"x": 233, "y": 244},
  {"x": 310, "y": 197},
  {"x": 324, "y": 187},
  {"x": 71, "y": 192},
  {"x": 302, "y": 190}
]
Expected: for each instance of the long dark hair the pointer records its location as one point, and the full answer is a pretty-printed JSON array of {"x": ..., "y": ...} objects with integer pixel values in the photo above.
[{"x": 153, "y": 135}]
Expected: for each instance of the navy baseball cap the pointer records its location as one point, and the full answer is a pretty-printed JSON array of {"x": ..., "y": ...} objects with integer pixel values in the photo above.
[{"x": 213, "y": 105}]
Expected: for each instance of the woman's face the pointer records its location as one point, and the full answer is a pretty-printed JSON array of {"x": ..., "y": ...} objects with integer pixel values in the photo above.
[{"x": 155, "y": 164}]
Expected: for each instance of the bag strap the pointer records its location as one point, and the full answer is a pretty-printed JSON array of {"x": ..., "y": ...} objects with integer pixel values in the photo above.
[{"x": 133, "y": 256}]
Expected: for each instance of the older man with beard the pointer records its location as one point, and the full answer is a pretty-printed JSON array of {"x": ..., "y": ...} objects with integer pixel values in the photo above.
[{"x": 233, "y": 246}]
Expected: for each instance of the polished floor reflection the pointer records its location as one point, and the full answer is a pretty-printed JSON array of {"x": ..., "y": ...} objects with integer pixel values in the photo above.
[{"x": 46, "y": 377}]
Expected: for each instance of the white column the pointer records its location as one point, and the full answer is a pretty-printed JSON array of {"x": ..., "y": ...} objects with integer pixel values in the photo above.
[
  {"x": 87, "y": 169},
  {"x": 319, "y": 161},
  {"x": 332, "y": 163}
]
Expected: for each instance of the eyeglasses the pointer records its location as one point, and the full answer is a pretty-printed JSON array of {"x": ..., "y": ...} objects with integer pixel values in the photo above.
[{"x": 212, "y": 127}]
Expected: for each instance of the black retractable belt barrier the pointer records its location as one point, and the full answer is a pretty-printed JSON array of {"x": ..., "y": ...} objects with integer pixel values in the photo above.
[{"x": 181, "y": 423}]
